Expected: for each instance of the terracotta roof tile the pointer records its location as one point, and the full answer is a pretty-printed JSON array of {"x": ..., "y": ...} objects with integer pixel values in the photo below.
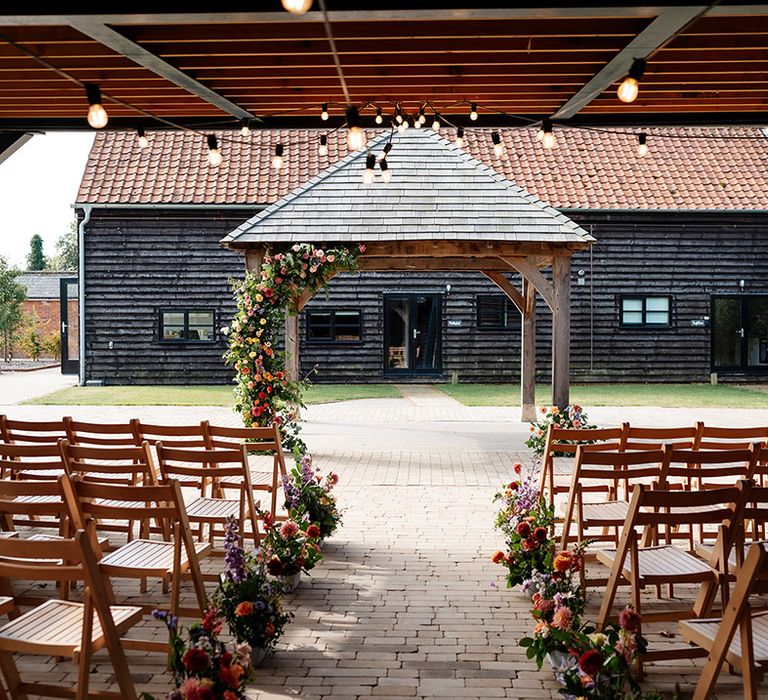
[{"x": 589, "y": 169}]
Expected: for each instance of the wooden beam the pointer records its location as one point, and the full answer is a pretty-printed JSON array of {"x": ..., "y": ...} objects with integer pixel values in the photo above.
[
  {"x": 291, "y": 345},
  {"x": 561, "y": 331},
  {"x": 528, "y": 355},
  {"x": 10, "y": 143},
  {"x": 138, "y": 54},
  {"x": 253, "y": 258},
  {"x": 669, "y": 23},
  {"x": 453, "y": 248},
  {"x": 416, "y": 264},
  {"x": 532, "y": 274},
  {"x": 507, "y": 287}
]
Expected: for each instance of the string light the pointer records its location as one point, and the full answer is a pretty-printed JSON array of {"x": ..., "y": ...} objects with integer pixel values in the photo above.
[
  {"x": 398, "y": 114},
  {"x": 498, "y": 146},
  {"x": 379, "y": 118},
  {"x": 436, "y": 122},
  {"x": 297, "y": 7},
  {"x": 422, "y": 116},
  {"x": 459, "y": 137},
  {"x": 385, "y": 151},
  {"x": 214, "y": 154},
  {"x": 324, "y": 112},
  {"x": 642, "y": 146},
  {"x": 370, "y": 166},
  {"x": 386, "y": 173},
  {"x": 245, "y": 127},
  {"x": 97, "y": 115},
  {"x": 548, "y": 139},
  {"x": 143, "y": 140},
  {"x": 473, "y": 112},
  {"x": 323, "y": 148},
  {"x": 630, "y": 86},
  {"x": 356, "y": 135},
  {"x": 277, "y": 160},
  {"x": 417, "y": 122}
]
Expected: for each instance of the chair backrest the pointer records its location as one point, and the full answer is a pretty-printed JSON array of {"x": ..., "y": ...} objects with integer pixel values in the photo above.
[
  {"x": 619, "y": 467},
  {"x": 653, "y": 438},
  {"x": 104, "y": 434},
  {"x": 255, "y": 439},
  {"x": 171, "y": 435},
  {"x": 31, "y": 461},
  {"x": 30, "y": 499},
  {"x": 31, "y": 431},
  {"x": 715, "y": 438},
  {"x": 118, "y": 465},
  {"x": 710, "y": 467},
  {"x": 195, "y": 468},
  {"x": 566, "y": 440}
]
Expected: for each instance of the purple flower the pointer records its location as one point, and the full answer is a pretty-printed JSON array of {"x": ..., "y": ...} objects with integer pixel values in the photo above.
[
  {"x": 307, "y": 471},
  {"x": 234, "y": 555},
  {"x": 292, "y": 494}
]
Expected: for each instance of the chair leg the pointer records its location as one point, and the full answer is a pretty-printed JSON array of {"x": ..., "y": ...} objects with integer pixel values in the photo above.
[
  {"x": 748, "y": 671},
  {"x": 11, "y": 675}
]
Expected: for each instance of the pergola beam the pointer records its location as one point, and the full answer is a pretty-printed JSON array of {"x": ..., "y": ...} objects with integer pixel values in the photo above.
[
  {"x": 528, "y": 355},
  {"x": 508, "y": 288},
  {"x": 138, "y": 54},
  {"x": 667, "y": 25},
  {"x": 534, "y": 276}
]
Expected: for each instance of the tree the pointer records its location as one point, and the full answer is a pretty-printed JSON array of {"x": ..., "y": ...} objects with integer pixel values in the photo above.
[
  {"x": 35, "y": 258},
  {"x": 12, "y": 318},
  {"x": 66, "y": 257}
]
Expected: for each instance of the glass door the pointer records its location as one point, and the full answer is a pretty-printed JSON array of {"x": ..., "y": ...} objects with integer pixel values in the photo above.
[
  {"x": 70, "y": 338},
  {"x": 740, "y": 333},
  {"x": 756, "y": 333},
  {"x": 412, "y": 334}
]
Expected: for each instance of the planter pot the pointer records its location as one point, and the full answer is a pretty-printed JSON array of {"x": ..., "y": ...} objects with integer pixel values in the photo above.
[
  {"x": 291, "y": 583},
  {"x": 257, "y": 656}
]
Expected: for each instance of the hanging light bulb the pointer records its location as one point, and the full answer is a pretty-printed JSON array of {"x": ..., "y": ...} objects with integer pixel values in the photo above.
[
  {"x": 630, "y": 86},
  {"x": 370, "y": 169},
  {"x": 277, "y": 160},
  {"x": 379, "y": 118},
  {"x": 401, "y": 128},
  {"x": 398, "y": 114},
  {"x": 245, "y": 127},
  {"x": 97, "y": 115},
  {"x": 385, "y": 151},
  {"x": 214, "y": 154},
  {"x": 386, "y": 173},
  {"x": 422, "y": 116},
  {"x": 143, "y": 140},
  {"x": 498, "y": 146},
  {"x": 356, "y": 134},
  {"x": 642, "y": 146},
  {"x": 417, "y": 122},
  {"x": 297, "y": 7},
  {"x": 406, "y": 124},
  {"x": 324, "y": 112},
  {"x": 473, "y": 112},
  {"x": 323, "y": 148},
  {"x": 459, "y": 137},
  {"x": 436, "y": 122},
  {"x": 540, "y": 134},
  {"x": 548, "y": 139}
]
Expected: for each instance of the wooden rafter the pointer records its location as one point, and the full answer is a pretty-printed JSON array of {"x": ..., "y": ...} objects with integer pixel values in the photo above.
[
  {"x": 508, "y": 288},
  {"x": 534, "y": 276}
]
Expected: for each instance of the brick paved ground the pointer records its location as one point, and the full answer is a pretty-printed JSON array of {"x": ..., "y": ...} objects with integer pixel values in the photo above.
[{"x": 406, "y": 603}]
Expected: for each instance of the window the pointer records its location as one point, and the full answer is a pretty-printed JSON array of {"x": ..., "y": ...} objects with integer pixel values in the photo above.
[
  {"x": 335, "y": 326},
  {"x": 646, "y": 311},
  {"x": 494, "y": 311},
  {"x": 187, "y": 326}
]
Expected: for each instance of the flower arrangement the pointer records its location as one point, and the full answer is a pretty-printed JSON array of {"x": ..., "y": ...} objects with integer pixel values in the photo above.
[
  {"x": 263, "y": 394},
  {"x": 571, "y": 417},
  {"x": 309, "y": 498},
  {"x": 558, "y": 605},
  {"x": 246, "y": 598},
  {"x": 525, "y": 519},
  {"x": 286, "y": 549},
  {"x": 203, "y": 667}
]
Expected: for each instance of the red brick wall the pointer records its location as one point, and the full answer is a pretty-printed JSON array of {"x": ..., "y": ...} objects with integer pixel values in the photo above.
[{"x": 48, "y": 320}]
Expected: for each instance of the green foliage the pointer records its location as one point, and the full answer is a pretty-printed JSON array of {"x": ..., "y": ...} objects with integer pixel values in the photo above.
[
  {"x": 35, "y": 258},
  {"x": 12, "y": 296},
  {"x": 31, "y": 343},
  {"x": 66, "y": 257},
  {"x": 309, "y": 498},
  {"x": 286, "y": 549},
  {"x": 51, "y": 345}
]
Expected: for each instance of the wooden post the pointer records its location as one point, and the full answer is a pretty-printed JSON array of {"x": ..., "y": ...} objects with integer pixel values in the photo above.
[
  {"x": 291, "y": 346},
  {"x": 253, "y": 260},
  {"x": 528, "y": 355},
  {"x": 561, "y": 330}
]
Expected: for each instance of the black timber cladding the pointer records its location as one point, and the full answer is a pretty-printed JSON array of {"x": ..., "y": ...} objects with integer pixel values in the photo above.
[{"x": 139, "y": 261}]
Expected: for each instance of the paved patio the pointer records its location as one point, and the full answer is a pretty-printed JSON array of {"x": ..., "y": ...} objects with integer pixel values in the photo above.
[{"x": 406, "y": 603}]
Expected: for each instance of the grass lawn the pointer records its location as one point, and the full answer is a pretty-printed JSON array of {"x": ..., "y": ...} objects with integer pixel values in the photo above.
[
  {"x": 197, "y": 395},
  {"x": 662, "y": 395}
]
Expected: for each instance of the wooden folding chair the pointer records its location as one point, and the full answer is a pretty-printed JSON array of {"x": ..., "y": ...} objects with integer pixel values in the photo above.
[
  {"x": 684, "y": 438},
  {"x": 562, "y": 442},
  {"x": 101, "y": 434},
  {"x": 261, "y": 444},
  {"x": 715, "y": 438},
  {"x": 644, "y": 563},
  {"x": 196, "y": 468},
  {"x": 167, "y": 559},
  {"x": 31, "y": 461},
  {"x": 64, "y": 628},
  {"x": 183, "y": 436},
  {"x": 31, "y": 431},
  {"x": 747, "y": 650}
]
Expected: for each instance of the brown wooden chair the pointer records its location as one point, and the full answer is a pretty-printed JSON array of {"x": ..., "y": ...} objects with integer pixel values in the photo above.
[
  {"x": 643, "y": 563},
  {"x": 31, "y": 431},
  {"x": 263, "y": 445},
  {"x": 196, "y": 469},
  {"x": 183, "y": 436},
  {"x": 167, "y": 559},
  {"x": 739, "y": 637},
  {"x": 37, "y": 461},
  {"x": 101, "y": 434},
  {"x": 64, "y": 628},
  {"x": 715, "y": 438},
  {"x": 684, "y": 438},
  {"x": 28, "y": 503}
]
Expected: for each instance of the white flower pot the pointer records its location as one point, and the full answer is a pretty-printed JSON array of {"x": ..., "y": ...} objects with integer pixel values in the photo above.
[
  {"x": 291, "y": 583},
  {"x": 257, "y": 656}
]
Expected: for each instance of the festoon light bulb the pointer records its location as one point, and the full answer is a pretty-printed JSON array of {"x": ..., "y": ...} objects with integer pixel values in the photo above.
[
  {"x": 324, "y": 112},
  {"x": 277, "y": 159},
  {"x": 642, "y": 145},
  {"x": 498, "y": 145},
  {"x": 385, "y": 151},
  {"x": 379, "y": 118},
  {"x": 214, "y": 154},
  {"x": 630, "y": 86},
  {"x": 142, "y": 136},
  {"x": 323, "y": 148},
  {"x": 422, "y": 116},
  {"x": 459, "y": 137},
  {"x": 436, "y": 122},
  {"x": 245, "y": 127},
  {"x": 297, "y": 7},
  {"x": 97, "y": 115},
  {"x": 473, "y": 112},
  {"x": 356, "y": 135},
  {"x": 548, "y": 139},
  {"x": 370, "y": 169},
  {"x": 386, "y": 173}
]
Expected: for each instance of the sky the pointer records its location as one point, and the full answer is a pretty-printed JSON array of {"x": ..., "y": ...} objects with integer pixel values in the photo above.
[{"x": 38, "y": 185}]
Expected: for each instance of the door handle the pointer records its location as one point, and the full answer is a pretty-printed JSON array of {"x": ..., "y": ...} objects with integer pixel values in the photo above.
[
  {"x": 64, "y": 327},
  {"x": 415, "y": 334},
  {"x": 741, "y": 332}
]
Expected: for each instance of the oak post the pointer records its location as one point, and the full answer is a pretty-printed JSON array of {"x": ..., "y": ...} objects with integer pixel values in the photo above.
[
  {"x": 253, "y": 260},
  {"x": 291, "y": 344},
  {"x": 561, "y": 330},
  {"x": 528, "y": 355}
]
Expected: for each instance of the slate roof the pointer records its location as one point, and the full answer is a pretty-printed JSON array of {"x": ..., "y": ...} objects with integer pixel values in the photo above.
[
  {"x": 43, "y": 284},
  {"x": 440, "y": 193},
  {"x": 588, "y": 170}
]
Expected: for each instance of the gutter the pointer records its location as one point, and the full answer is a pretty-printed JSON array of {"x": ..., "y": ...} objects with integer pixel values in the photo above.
[{"x": 81, "y": 290}]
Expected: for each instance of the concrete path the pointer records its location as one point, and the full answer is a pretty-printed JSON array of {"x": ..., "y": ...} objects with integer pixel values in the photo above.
[{"x": 22, "y": 386}]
